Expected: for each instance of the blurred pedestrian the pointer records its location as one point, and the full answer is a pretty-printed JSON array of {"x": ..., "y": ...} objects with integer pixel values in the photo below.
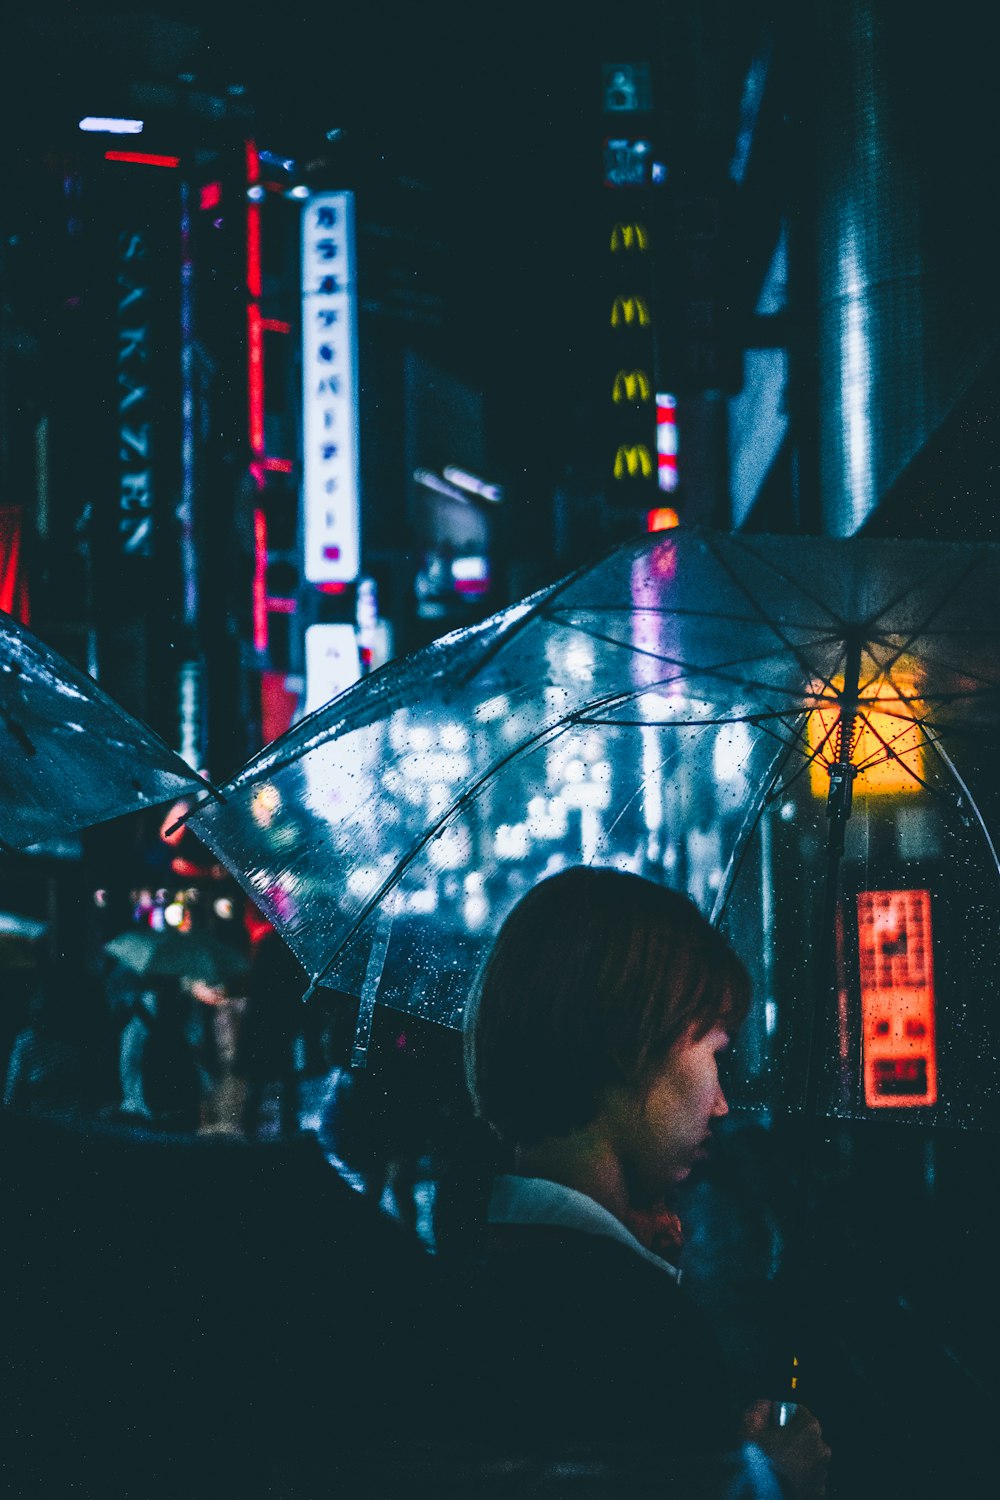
[
  {"x": 269, "y": 1033},
  {"x": 160, "y": 1081},
  {"x": 593, "y": 1040},
  {"x": 377, "y": 1123},
  {"x": 63, "y": 1060}
]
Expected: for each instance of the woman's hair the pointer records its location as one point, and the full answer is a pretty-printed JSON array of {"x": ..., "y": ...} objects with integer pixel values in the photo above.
[{"x": 594, "y": 975}]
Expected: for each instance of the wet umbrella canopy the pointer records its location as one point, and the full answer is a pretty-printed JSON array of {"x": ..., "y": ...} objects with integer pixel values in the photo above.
[
  {"x": 71, "y": 757},
  {"x": 759, "y": 720}
]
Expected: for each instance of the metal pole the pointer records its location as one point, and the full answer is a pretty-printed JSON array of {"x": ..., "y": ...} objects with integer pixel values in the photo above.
[{"x": 823, "y": 991}]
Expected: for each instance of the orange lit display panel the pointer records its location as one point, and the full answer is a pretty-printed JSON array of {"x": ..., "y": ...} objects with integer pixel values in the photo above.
[
  {"x": 897, "y": 999},
  {"x": 888, "y": 745}
]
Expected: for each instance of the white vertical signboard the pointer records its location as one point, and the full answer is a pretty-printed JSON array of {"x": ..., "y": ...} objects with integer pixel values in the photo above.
[
  {"x": 333, "y": 663},
  {"x": 330, "y": 488}
]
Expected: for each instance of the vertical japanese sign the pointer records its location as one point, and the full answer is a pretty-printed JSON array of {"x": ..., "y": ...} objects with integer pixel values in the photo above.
[{"x": 330, "y": 482}]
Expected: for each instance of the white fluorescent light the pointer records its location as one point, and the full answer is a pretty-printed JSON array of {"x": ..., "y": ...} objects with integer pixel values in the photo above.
[
  {"x": 473, "y": 484},
  {"x": 108, "y": 125},
  {"x": 432, "y": 481}
]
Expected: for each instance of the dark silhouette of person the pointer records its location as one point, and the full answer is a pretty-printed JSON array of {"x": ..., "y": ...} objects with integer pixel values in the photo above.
[
  {"x": 268, "y": 1034},
  {"x": 63, "y": 1060}
]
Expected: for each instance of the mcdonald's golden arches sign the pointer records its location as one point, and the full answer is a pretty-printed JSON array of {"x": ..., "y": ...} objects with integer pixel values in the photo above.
[
  {"x": 626, "y": 311},
  {"x": 629, "y": 237},
  {"x": 632, "y": 386},
  {"x": 633, "y": 461}
]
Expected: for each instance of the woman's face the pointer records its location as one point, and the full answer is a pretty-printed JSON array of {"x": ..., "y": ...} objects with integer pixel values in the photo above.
[{"x": 661, "y": 1129}]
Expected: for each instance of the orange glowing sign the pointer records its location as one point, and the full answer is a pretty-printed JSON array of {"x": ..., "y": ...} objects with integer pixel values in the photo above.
[
  {"x": 897, "y": 999},
  {"x": 888, "y": 745}
]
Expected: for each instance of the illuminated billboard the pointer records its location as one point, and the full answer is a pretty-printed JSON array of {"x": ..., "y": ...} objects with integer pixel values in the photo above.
[
  {"x": 330, "y": 481},
  {"x": 897, "y": 999},
  {"x": 888, "y": 743}
]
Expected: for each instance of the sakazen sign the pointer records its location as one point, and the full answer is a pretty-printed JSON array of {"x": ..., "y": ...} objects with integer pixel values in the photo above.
[
  {"x": 330, "y": 484},
  {"x": 135, "y": 475}
]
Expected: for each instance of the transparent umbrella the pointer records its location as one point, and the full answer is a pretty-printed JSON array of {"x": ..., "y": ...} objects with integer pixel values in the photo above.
[
  {"x": 708, "y": 710},
  {"x": 71, "y": 756}
]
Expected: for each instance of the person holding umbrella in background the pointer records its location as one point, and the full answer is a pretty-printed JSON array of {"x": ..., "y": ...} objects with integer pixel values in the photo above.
[{"x": 592, "y": 1045}]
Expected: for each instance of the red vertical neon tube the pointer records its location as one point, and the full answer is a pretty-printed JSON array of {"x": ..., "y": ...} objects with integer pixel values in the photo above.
[
  {"x": 259, "y": 581},
  {"x": 254, "y": 280},
  {"x": 255, "y": 377}
]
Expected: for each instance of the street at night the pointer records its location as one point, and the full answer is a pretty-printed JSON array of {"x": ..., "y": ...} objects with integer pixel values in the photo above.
[{"x": 499, "y": 705}]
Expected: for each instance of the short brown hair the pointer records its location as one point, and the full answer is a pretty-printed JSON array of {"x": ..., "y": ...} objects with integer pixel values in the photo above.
[{"x": 594, "y": 975}]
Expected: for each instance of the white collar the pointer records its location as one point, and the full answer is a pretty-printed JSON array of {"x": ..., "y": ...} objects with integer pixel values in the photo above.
[{"x": 537, "y": 1200}]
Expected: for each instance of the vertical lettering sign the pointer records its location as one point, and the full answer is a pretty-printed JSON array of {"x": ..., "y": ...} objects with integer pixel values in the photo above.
[
  {"x": 135, "y": 471},
  {"x": 330, "y": 486},
  {"x": 139, "y": 274}
]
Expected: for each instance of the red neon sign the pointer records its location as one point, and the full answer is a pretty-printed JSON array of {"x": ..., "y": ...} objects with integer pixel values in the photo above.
[
  {"x": 143, "y": 158},
  {"x": 255, "y": 378},
  {"x": 897, "y": 999},
  {"x": 254, "y": 275},
  {"x": 259, "y": 581}
]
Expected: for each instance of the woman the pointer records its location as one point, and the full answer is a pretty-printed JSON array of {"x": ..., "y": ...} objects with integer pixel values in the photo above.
[{"x": 592, "y": 1046}]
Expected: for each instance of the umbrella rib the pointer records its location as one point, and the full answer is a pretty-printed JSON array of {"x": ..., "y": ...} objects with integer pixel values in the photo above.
[
  {"x": 672, "y": 611},
  {"x": 877, "y": 759},
  {"x": 402, "y": 865},
  {"x": 211, "y": 794},
  {"x": 922, "y": 627},
  {"x": 750, "y": 826},
  {"x": 970, "y": 800},
  {"x": 892, "y": 755},
  {"x": 809, "y": 756},
  {"x": 756, "y": 719},
  {"x": 741, "y": 545},
  {"x": 928, "y": 577},
  {"x": 640, "y": 789},
  {"x": 539, "y": 608},
  {"x": 719, "y": 673},
  {"x": 806, "y": 666}
]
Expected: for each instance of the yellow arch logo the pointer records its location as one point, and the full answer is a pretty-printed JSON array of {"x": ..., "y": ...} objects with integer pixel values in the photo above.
[
  {"x": 633, "y": 461},
  {"x": 631, "y": 385},
  {"x": 629, "y": 237},
  {"x": 628, "y": 310}
]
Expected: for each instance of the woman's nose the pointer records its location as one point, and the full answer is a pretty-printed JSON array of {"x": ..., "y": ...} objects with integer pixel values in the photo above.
[{"x": 721, "y": 1106}]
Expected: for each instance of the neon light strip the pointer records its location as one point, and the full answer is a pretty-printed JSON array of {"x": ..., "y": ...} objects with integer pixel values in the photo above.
[
  {"x": 185, "y": 511},
  {"x": 252, "y": 162},
  {"x": 143, "y": 158},
  {"x": 276, "y": 325},
  {"x": 259, "y": 581},
  {"x": 255, "y": 377},
  {"x": 254, "y": 275},
  {"x": 275, "y": 606},
  {"x": 279, "y": 465},
  {"x": 111, "y": 125}
]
